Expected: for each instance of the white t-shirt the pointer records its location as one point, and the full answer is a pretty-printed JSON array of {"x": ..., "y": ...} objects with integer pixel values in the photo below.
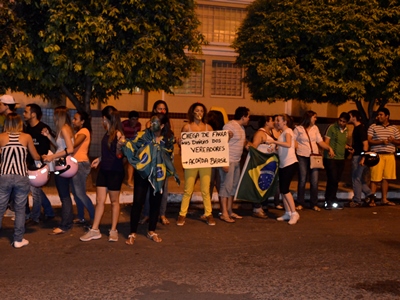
[
  {"x": 303, "y": 143},
  {"x": 287, "y": 156},
  {"x": 236, "y": 143}
]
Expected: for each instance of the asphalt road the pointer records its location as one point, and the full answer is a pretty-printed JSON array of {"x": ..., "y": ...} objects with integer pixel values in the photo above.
[{"x": 348, "y": 254}]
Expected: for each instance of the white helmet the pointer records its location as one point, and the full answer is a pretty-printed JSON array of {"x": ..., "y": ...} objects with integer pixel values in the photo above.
[
  {"x": 66, "y": 167},
  {"x": 39, "y": 177}
]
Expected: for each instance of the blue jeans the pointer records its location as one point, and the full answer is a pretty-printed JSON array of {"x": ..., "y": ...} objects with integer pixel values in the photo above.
[
  {"x": 78, "y": 185},
  {"x": 304, "y": 169},
  {"x": 19, "y": 186},
  {"x": 229, "y": 180},
  {"x": 62, "y": 185},
  {"x": 40, "y": 199},
  {"x": 359, "y": 185}
]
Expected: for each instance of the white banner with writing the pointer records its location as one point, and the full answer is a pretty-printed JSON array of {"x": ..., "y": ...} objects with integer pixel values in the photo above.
[{"x": 205, "y": 149}]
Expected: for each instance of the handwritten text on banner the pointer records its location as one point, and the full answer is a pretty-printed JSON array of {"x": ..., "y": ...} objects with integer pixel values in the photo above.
[{"x": 205, "y": 149}]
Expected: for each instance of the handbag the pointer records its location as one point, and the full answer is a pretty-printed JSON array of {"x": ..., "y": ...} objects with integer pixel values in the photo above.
[{"x": 316, "y": 161}]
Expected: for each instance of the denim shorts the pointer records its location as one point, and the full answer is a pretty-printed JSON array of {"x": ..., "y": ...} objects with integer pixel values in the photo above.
[
  {"x": 112, "y": 180},
  {"x": 230, "y": 180}
]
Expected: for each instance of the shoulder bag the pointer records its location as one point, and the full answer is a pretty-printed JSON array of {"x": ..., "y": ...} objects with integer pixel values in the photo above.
[{"x": 316, "y": 161}]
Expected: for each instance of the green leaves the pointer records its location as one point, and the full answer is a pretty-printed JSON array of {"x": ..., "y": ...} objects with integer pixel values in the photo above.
[
  {"x": 116, "y": 44},
  {"x": 321, "y": 51}
]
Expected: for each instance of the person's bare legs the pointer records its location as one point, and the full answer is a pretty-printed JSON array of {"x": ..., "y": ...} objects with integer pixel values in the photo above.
[
  {"x": 101, "y": 194},
  {"x": 115, "y": 208},
  {"x": 129, "y": 169},
  {"x": 385, "y": 189},
  {"x": 289, "y": 202},
  {"x": 224, "y": 207}
]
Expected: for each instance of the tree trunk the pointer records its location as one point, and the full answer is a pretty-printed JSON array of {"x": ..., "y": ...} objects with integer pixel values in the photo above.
[
  {"x": 88, "y": 93},
  {"x": 360, "y": 108}
]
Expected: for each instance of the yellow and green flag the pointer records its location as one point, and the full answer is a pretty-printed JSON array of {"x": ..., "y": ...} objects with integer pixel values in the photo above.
[{"x": 259, "y": 178}]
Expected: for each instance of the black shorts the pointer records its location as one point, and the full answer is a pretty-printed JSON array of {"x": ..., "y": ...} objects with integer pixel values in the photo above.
[
  {"x": 285, "y": 177},
  {"x": 112, "y": 180}
]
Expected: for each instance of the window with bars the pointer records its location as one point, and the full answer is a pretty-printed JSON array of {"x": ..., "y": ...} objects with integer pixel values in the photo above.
[
  {"x": 192, "y": 85},
  {"x": 135, "y": 91},
  {"x": 219, "y": 24},
  {"x": 226, "y": 79}
]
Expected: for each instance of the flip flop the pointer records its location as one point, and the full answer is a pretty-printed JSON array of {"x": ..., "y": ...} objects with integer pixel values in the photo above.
[
  {"x": 227, "y": 219},
  {"x": 235, "y": 216},
  {"x": 388, "y": 203},
  {"x": 57, "y": 231}
]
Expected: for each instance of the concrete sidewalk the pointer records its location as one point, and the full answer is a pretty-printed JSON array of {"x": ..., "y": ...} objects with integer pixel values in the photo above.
[{"x": 175, "y": 192}]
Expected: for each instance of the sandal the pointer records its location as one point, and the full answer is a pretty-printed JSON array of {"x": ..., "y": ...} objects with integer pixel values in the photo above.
[
  {"x": 164, "y": 220},
  {"x": 235, "y": 216},
  {"x": 154, "y": 237},
  {"x": 227, "y": 219},
  {"x": 57, "y": 231},
  {"x": 372, "y": 203},
  {"x": 388, "y": 203},
  {"x": 131, "y": 239}
]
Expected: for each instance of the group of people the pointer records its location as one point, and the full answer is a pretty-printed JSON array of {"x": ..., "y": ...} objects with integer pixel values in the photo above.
[{"x": 149, "y": 157}]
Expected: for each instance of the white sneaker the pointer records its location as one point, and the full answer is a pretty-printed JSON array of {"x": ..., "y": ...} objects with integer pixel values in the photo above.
[
  {"x": 113, "y": 237},
  {"x": 294, "y": 218},
  {"x": 20, "y": 244},
  {"x": 284, "y": 217},
  {"x": 92, "y": 234}
]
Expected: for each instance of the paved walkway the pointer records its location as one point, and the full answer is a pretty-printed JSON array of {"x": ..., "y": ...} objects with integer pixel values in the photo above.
[{"x": 345, "y": 192}]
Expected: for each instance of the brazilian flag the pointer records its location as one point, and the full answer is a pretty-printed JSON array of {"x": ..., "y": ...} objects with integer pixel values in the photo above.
[{"x": 259, "y": 178}]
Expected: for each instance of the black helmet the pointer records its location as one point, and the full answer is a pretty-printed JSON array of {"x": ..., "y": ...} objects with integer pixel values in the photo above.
[{"x": 370, "y": 158}]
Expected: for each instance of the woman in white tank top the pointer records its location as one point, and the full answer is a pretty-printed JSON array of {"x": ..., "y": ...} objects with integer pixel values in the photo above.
[
  {"x": 65, "y": 145},
  {"x": 262, "y": 140}
]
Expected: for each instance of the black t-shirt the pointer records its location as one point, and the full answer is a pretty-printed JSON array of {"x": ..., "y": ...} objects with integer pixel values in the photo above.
[
  {"x": 41, "y": 142},
  {"x": 359, "y": 136}
]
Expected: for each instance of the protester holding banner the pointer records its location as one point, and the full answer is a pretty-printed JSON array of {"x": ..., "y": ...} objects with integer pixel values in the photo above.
[
  {"x": 288, "y": 166},
  {"x": 230, "y": 175},
  {"x": 197, "y": 123},
  {"x": 307, "y": 134}
]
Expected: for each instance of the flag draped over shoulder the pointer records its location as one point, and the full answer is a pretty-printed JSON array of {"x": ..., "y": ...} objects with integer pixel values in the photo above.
[
  {"x": 259, "y": 178},
  {"x": 150, "y": 159}
]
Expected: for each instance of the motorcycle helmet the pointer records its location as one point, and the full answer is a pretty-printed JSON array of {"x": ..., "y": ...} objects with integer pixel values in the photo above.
[
  {"x": 39, "y": 177},
  {"x": 370, "y": 158},
  {"x": 66, "y": 167}
]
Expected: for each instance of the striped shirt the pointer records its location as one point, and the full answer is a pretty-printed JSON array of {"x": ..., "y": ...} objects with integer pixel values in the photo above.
[
  {"x": 380, "y": 132},
  {"x": 13, "y": 157}
]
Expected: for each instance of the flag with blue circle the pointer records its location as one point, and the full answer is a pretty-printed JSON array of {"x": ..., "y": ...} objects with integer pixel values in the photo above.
[{"x": 259, "y": 178}]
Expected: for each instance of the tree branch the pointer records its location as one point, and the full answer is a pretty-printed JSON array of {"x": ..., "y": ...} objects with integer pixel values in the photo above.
[{"x": 72, "y": 97}]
